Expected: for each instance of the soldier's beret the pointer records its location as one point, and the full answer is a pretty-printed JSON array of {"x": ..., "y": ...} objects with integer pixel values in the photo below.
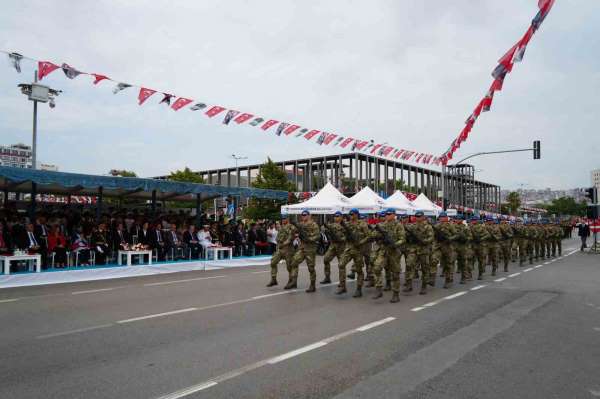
[
  {"x": 305, "y": 212},
  {"x": 419, "y": 213},
  {"x": 338, "y": 213},
  {"x": 443, "y": 214},
  {"x": 354, "y": 210}
]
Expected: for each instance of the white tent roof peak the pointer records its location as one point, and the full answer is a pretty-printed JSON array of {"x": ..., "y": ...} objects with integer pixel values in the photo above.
[
  {"x": 327, "y": 201},
  {"x": 399, "y": 202},
  {"x": 424, "y": 204},
  {"x": 366, "y": 201}
]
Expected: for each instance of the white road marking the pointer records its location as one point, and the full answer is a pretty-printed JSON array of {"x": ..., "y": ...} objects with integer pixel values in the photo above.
[
  {"x": 182, "y": 281},
  {"x": 500, "y": 279},
  {"x": 93, "y": 291},
  {"x": 275, "y": 294},
  {"x": 79, "y": 330},
  {"x": 153, "y": 316},
  {"x": 190, "y": 390},
  {"x": 478, "y": 287},
  {"x": 417, "y": 308},
  {"x": 597, "y": 329},
  {"x": 296, "y": 352},
  {"x": 375, "y": 324},
  {"x": 264, "y": 271},
  {"x": 546, "y": 263},
  {"x": 527, "y": 270},
  {"x": 514, "y": 274},
  {"x": 595, "y": 393},
  {"x": 538, "y": 266},
  {"x": 9, "y": 300},
  {"x": 427, "y": 305},
  {"x": 461, "y": 293}
]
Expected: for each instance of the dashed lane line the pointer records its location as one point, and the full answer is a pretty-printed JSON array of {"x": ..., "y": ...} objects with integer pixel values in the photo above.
[
  {"x": 514, "y": 275},
  {"x": 538, "y": 266},
  {"x": 296, "y": 352},
  {"x": 182, "y": 281},
  {"x": 460, "y": 293},
  {"x": 9, "y": 300},
  {"x": 94, "y": 291},
  {"x": 500, "y": 279},
  {"x": 153, "y": 316},
  {"x": 79, "y": 330},
  {"x": 478, "y": 287},
  {"x": 375, "y": 324},
  {"x": 527, "y": 270}
]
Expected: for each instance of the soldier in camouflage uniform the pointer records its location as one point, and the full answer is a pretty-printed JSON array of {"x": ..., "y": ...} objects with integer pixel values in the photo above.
[
  {"x": 464, "y": 254},
  {"x": 285, "y": 250},
  {"x": 308, "y": 234},
  {"x": 506, "y": 242},
  {"x": 558, "y": 237},
  {"x": 366, "y": 250},
  {"x": 337, "y": 244},
  {"x": 390, "y": 237},
  {"x": 409, "y": 251},
  {"x": 445, "y": 236},
  {"x": 539, "y": 241},
  {"x": 434, "y": 258},
  {"x": 521, "y": 234},
  {"x": 423, "y": 233},
  {"x": 357, "y": 234},
  {"x": 493, "y": 243},
  {"x": 481, "y": 238}
]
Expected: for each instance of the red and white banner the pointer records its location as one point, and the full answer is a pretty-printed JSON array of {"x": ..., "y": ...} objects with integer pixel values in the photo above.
[{"x": 144, "y": 95}]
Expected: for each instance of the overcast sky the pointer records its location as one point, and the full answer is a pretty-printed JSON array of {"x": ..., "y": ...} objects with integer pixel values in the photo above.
[{"x": 406, "y": 72}]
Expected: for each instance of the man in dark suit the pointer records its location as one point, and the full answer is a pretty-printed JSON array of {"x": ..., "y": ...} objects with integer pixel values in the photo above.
[
  {"x": 41, "y": 235},
  {"x": 120, "y": 238},
  {"x": 157, "y": 241},
  {"x": 190, "y": 238},
  {"x": 144, "y": 235},
  {"x": 174, "y": 245}
]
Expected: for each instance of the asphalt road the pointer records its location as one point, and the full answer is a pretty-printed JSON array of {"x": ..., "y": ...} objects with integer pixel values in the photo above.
[{"x": 531, "y": 333}]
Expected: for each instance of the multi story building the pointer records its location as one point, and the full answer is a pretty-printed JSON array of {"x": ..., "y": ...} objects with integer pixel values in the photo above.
[
  {"x": 596, "y": 178},
  {"x": 16, "y": 155}
]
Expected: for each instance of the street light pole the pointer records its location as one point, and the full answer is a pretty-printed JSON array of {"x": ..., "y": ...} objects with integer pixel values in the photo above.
[
  {"x": 237, "y": 158},
  {"x": 34, "y": 140}
]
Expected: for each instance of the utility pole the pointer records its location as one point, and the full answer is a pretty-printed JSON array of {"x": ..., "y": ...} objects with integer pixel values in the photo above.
[
  {"x": 237, "y": 158},
  {"x": 34, "y": 139}
]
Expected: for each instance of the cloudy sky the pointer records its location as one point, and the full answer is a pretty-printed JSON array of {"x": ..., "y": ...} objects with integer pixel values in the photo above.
[{"x": 406, "y": 72}]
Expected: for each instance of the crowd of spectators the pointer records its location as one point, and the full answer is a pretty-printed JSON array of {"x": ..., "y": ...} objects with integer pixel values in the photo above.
[{"x": 77, "y": 237}]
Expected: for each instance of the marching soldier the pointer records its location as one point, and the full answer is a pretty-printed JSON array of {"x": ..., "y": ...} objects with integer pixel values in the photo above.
[
  {"x": 390, "y": 237},
  {"x": 506, "y": 242},
  {"x": 521, "y": 234},
  {"x": 481, "y": 237},
  {"x": 434, "y": 258},
  {"x": 558, "y": 237},
  {"x": 337, "y": 244},
  {"x": 357, "y": 234},
  {"x": 285, "y": 250},
  {"x": 445, "y": 236},
  {"x": 308, "y": 235},
  {"x": 409, "y": 251},
  {"x": 424, "y": 236},
  {"x": 494, "y": 242},
  {"x": 464, "y": 254}
]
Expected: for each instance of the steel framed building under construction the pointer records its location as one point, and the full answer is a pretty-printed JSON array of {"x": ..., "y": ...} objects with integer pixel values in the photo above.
[{"x": 352, "y": 171}]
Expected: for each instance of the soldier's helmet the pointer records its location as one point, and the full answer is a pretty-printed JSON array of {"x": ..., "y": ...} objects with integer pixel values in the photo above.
[
  {"x": 283, "y": 217},
  {"x": 419, "y": 213},
  {"x": 337, "y": 213},
  {"x": 305, "y": 212}
]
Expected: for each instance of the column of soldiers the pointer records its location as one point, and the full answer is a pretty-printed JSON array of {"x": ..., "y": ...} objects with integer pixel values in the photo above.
[{"x": 375, "y": 251}]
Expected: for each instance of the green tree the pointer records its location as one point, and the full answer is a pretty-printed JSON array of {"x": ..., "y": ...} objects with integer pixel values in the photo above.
[
  {"x": 185, "y": 175},
  {"x": 402, "y": 186},
  {"x": 122, "y": 173},
  {"x": 272, "y": 177},
  {"x": 514, "y": 202},
  {"x": 566, "y": 206}
]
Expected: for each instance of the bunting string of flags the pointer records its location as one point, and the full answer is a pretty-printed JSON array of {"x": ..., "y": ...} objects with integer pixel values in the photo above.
[
  {"x": 505, "y": 65},
  {"x": 235, "y": 117}
]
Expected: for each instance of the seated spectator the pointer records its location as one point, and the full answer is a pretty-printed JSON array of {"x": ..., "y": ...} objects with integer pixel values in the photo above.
[
  {"x": 190, "y": 238},
  {"x": 143, "y": 236},
  {"x": 100, "y": 244},
  {"x": 120, "y": 239},
  {"x": 57, "y": 244},
  {"x": 204, "y": 237},
  {"x": 29, "y": 241},
  {"x": 157, "y": 242},
  {"x": 5, "y": 241},
  {"x": 81, "y": 247},
  {"x": 174, "y": 245},
  {"x": 239, "y": 240},
  {"x": 252, "y": 239}
]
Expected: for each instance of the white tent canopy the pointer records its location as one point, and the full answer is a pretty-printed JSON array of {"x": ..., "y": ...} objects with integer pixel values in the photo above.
[
  {"x": 366, "y": 201},
  {"x": 326, "y": 202},
  {"x": 423, "y": 203},
  {"x": 400, "y": 203}
]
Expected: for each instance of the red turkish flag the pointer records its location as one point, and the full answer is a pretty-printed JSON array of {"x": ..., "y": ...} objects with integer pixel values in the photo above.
[
  {"x": 45, "y": 68},
  {"x": 387, "y": 151},
  {"x": 98, "y": 78},
  {"x": 346, "y": 142},
  {"x": 375, "y": 147},
  {"x": 507, "y": 59},
  {"x": 290, "y": 129},
  {"x": 311, "y": 134},
  {"x": 144, "y": 95},
  {"x": 214, "y": 110},
  {"x": 180, "y": 103},
  {"x": 242, "y": 118},
  {"x": 360, "y": 145},
  {"x": 268, "y": 124},
  {"x": 398, "y": 154},
  {"x": 329, "y": 138},
  {"x": 497, "y": 85}
]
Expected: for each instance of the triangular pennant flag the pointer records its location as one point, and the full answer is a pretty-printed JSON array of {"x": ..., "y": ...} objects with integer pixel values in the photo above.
[
  {"x": 214, "y": 110},
  {"x": 311, "y": 134},
  {"x": 69, "y": 71},
  {"x": 387, "y": 151},
  {"x": 362, "y": 143},
  {"x": 268, "y": 124},
  {"x": 180, "y": 103},
  {"x": 242, "y": 118},
  {"x": 256, "y": 121},
  {"x": 197, "y": 107},
  {"x": 330, "y": 137},
  {"x": 398, "y": 154},
  {"x": 497, "y": 85},
  {"x": 338, "y": 141},
  {"x": 45, "y": 68},
  {"x": 321, "y": 138},
  {"x": 120, "y": 86},
  {"x": 374, "y": 148},
  {"x": 290, "y": 129},
  {"x": 487, "y": 101},
  {"x": 520, "y": 53},
  {"x": 301, "y": 132},
  {"x": 15, "y": 60},
  {"x": 347, "y": 141},
  {"x": 371, "y": 144},
  {"x": 144, "y": 95},
  {"x": 281, "y": 128},
  {"x": 229, "y": 116},
  {"x": 166, "y": 98},
  {"x": 98, "y": 78}
]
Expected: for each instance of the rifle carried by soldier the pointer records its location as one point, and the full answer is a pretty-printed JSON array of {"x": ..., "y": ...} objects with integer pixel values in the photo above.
[
  {"x": 301, "y": 232},
  {"x": 351, "y": 236},
  {"x": 387, "y": 240},
  {"x": 330, "y": 233}
]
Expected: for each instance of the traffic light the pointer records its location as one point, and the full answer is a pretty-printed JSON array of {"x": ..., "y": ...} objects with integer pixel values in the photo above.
[{"x": 536, "y": 149}]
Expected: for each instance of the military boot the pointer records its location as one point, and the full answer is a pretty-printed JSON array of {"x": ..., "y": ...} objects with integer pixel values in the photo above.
[
  {"x": 388, "y": 285},
  {"x": 370, "y": 282},
  {"x": 378, "y": 293},
  {"x": 273, "y": 282},
  {"x": 494, "y": 270},
  {"x": 326, "y": 280},
  {"x": 423, "y": 288},
  {"x": 395, "y": 297},
  {"x": 292, "y": 284},
  {"x": 407, "y": 288},
  {"x": 312, "y": 287},
  {"x": 358, "y": 292},
  {"x": 341, "y": 290}
]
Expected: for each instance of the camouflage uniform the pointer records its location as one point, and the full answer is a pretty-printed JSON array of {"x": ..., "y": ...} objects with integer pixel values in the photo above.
[
  {"x": 539, "y": 242},
  {"x": 423, "y": 233},
  {"x": 464, "y": 254},
  {"x": 337, "y": 245},
  {"x": 434, "y": 259},
  {"x": 357, "y": 234},
  {"x": 409, "y": 250},
  {"x": 521, "y": 234},
  {"x": 494, "y": 245},
  {"x": 558, "y": 237},
  {"x": 481, "y": 237},
  {"x": 285, "y": 251},
  {"x": 446, "y": 235},
  {"x": 506, "y": 243},
  {"x": 307, "y": 250},
  {"x": 388, "y": 254}
]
